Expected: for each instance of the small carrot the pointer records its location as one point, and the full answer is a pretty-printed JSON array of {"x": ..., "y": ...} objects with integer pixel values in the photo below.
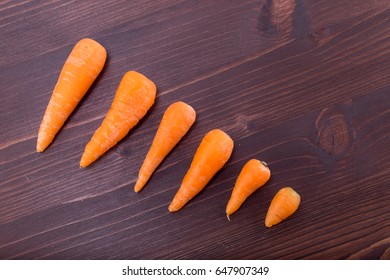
[
  {"x": 212, "y": 154},
  {"x": 176, "y": 121},
  {"x": 80, "y": 70},
  {"x": 253, "y": 175},
  {"x": 283, "y": 205},
  {"x": 134, "y": 97}
]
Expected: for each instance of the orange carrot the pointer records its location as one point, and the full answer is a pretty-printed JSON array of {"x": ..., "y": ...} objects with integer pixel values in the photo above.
[
  {"x": 175, "y": 123},
  {"x": 212, "y": 154},
  {"x": 133, "y": 98},
  {"x": 283, "y": 205},
  {"x": 78, "y": 73},
  {"x": 253, "y": 175}
]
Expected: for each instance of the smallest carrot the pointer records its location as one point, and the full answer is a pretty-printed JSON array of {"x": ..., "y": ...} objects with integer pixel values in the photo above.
[{"x": 283, "y": 205}]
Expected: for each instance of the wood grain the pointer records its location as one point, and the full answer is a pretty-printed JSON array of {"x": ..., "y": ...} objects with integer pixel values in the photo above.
[{"x": 300, "y": 84}]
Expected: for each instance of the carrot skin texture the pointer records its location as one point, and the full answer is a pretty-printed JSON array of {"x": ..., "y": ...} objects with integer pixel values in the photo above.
[
  {"x": 283, "y": 205},
  {"x": 253, "y": 175},
  {"x": 134, "y": 97},
  {"x": 175, "y": 123},
  {"x": 80, "y": 70},
  {"x": 213, "y": 152}
]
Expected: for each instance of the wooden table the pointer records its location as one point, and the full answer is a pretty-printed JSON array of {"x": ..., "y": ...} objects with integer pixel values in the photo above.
[{"x": 300, "y": 84}]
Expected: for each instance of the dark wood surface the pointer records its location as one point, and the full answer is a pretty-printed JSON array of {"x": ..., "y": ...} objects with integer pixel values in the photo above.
[{"x": 300, "y": 84}]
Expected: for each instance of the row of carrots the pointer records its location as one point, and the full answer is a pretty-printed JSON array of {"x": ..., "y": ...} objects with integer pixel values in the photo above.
[{"x": 134, "y": 97}]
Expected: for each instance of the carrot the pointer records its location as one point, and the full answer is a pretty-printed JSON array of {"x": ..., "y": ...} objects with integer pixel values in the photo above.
[
  {"x": 134, "y": 97},
  {"x": 283, "y": 205},
  {"x": 83, "y": 65},
  {"x": 253, "y": 175},
  {"x": 175, "y": 123},
  {"x": 212, "y": 154}
]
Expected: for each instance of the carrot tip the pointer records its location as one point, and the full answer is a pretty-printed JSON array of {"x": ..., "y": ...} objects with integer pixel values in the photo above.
[
  {"x": 172, "y": 209},
  {"x": 40, "y": 148},
  {"x": 138, "y": 185},
  {"x": 228, "y": 217}
]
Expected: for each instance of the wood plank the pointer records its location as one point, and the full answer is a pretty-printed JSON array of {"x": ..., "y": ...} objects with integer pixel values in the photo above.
[{"x": 300, "y": 84}]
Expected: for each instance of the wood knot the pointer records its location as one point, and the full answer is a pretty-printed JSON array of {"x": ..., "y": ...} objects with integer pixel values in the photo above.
[
  {"x": 241, "y": 124},
  {"x": 332, "y": 132},
  {"x": 321, "y": 35}
]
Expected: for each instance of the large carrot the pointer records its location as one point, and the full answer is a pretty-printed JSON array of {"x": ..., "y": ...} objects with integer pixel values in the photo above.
[
  {"x": 83, "y": 65},
  {"x": 212, "y": 154},
  {"x": 176, "y": 121},
  {"x": 253, "y": 175},
  {"x": 283, "y": 205},
  {"x": 133, "y": 98}
]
